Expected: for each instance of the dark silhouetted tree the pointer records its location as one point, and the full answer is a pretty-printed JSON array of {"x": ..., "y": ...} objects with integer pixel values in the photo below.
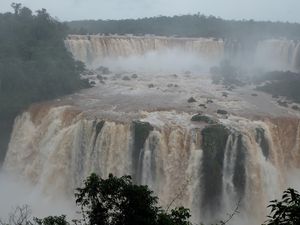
[
  {"x": 286, "y": 211},
  {"x": 117, "y": 201}
]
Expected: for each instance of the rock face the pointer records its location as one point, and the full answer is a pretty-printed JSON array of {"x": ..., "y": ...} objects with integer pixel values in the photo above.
[
  {"x": 103, "y": 70},
  {"x": 141, "y": 131},
  {"x": 214, "y": 139},
  {"x": 126, "y": 78},
  {"x": 191, "y": 100},
  {"x": 222, "y": 112},
  {"x": 134, "y": 76},
  {"x": 203, "y": 118}
]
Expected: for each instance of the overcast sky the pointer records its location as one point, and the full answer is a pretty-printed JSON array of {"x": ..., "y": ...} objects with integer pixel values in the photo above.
[{"x": 275, "y": 10}]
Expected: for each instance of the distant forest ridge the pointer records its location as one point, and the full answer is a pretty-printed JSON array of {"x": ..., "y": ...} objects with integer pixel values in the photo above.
[{"x": 190, "y": 26}]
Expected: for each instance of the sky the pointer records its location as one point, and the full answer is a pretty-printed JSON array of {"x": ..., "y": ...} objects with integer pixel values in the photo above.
[{"x": 66, "y": 10}]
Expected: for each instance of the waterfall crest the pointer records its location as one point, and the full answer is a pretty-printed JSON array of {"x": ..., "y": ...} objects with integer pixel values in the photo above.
[
  {"x": 93, "y": 48},
  {"x": 272, "y": 54}
]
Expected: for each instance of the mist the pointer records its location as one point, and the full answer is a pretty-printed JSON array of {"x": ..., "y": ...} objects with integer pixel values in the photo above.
[
  {"x": 17, "y": 192},
  {"x": 159, "y": 62}
]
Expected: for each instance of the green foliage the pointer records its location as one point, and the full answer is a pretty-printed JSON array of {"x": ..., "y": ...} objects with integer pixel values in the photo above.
[
  {"x": 106, "y": 201},
  {"x": 286, "y": 211},
  {"x": 117, "y": 201},
  {"x": 52, "y": 220},
  {"x": 178, "y": 216},
  {"x": 190, "y": 26},
  {"x": 34, "y": 63}
]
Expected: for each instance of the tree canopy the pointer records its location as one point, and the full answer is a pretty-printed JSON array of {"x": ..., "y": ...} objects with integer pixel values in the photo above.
[
  {"x": 117, "y": 201},
  {"x": 196, "y": 25},
  {"x": 34, "y": 63},
  {"x": 286, "y": 211}
]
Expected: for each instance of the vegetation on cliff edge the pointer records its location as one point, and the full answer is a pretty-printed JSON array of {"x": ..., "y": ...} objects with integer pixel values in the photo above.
[{"x": 34, "y": 63}]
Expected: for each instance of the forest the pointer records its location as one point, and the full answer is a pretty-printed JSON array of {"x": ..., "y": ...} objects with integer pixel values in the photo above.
[
  {"x": 34, "y": 64},
  {"x": 197, "y": 25}
]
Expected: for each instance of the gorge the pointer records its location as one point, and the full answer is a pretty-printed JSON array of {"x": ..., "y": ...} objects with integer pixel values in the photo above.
[{"x": 138, "y": 122}]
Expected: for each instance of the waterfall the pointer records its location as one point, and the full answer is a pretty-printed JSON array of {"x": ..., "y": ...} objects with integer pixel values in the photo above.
[
  {"x": 94, "y": 48},
  {"x": 176, "y": 161},
  {"x": 148, "y": 160},
  {"x": 277, "y": 54},
  {"x": 230, "y": 158},
  {"x": 272, "y": 54},
  {"x": 208, "y": 168}
]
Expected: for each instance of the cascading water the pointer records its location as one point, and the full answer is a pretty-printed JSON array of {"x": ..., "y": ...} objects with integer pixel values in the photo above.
[
  {"x": 142, "y": 126},
  {"x": 94, "y": 48},
  {"x": 274, "y": 54},
  {"x": 230, "y": 160},
  {"x": 207, "y": 168},
  {"x": 284, "y": 54}
]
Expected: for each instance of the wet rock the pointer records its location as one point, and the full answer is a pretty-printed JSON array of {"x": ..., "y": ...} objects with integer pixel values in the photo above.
[
  {"x": 141, "y": 132},
  {"x": 282, "y": 103},
  {"x": 151, "y": 86},
  {"x": 90, "y": 72},
  {"x": 191, "y": 100},
  {"x": 134, "y": 76},
  {"x": 103, "y": 70},
  {"x": 225, "y": 94},
  {"x": 214, "y": 140},
  {"x": 203, "y": 105},
  {"x": 118, "y": 75},
  {"x": 98, "y": 126},
  {"x": 126, "y": 78},
  {"x": 209, "y": 101},
  {"x": 170, "y": 85},
  {"x": 99, "y": 77},
  {"x": 176, "y": 85},
  {"x": 222, "y": 112},
  {"x": 93, "y": 83},
  {"x": 261, "y": 139},
  {"x": 295, "y": 107},
  {"x": 203, "y": 118},
  {"x": 254, "y": 95}
]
